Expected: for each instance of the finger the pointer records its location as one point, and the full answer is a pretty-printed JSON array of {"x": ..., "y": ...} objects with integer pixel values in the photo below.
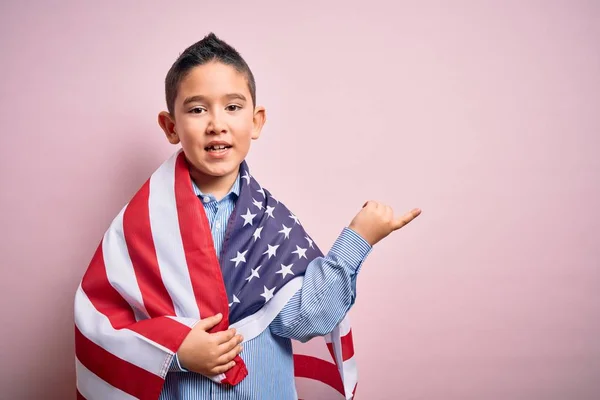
[
  {"x": 207, "y": 324},
  {"x": 227, "y": 346},
  {"x": 406, "y": 218},
  {"x": 230, "y": 355},
  {"x": 224, "y": 336},
  {"x": 221, "y": 369}
]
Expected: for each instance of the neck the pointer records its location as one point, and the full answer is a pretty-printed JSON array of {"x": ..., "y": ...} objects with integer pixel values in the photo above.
[{"x": 218, "y": 186}]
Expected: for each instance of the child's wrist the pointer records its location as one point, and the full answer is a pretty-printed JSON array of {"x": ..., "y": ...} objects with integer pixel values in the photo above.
[{"x": 362, "y": 234}]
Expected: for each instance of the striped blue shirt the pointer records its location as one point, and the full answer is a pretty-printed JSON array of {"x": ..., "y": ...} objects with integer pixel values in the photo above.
[{"x": 328, "y": 292}]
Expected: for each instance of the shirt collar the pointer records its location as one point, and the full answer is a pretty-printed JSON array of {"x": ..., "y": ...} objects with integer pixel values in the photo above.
[{"x": 235, "y": 189}]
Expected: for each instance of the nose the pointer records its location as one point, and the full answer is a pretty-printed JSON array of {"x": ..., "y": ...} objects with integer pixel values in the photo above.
[{"x": 216, "y": 125}]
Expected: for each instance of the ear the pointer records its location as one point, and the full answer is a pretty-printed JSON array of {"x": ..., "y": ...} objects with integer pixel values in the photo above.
[
  {"x": 167, "y": 123},
  {"x": 260, "y": 117}
]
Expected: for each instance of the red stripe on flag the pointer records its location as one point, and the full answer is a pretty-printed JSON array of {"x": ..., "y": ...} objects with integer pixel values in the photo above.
[
  {"x": 108, "y": 301},
  {"x": 103, "y": 296},
  {"x": 319, "y": 370},
  {"x": 80, "y": 396},
  {"x": 347, "y": 346},
  {"x": 205, "y": 272},
  {"x": 140, "y": 244},
  {"x": 201, "y": 258},
  {"x": 330, "y": 348},
  {"x": 115, "y": 371},
  {"x": 163, "y": 330}
]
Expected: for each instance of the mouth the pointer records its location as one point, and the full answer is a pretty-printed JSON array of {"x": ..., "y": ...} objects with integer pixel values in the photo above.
[{"x": 217, "y": 148}]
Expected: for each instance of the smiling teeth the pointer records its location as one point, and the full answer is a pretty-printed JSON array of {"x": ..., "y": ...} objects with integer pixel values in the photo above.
[{"x": 220, "y": 147}]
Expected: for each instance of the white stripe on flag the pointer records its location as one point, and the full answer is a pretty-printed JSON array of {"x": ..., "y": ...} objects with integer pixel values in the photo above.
[
  {"x": 94, "y": 388},
  {"x": 255, "y": 324},
  {"x": 348, "y": 369},
  {"x": 164, "y": 223},
  {"x": 345, "y": 326},
  {"x": 123, "y": 343},
  {"x": 119, "y": 268},
  {"x": 350, "y": 376}
]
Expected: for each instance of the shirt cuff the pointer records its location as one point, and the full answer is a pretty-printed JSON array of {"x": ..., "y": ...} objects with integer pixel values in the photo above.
[
  {"x": 352, "y": 248},
  {"x": 176, "y": 366}
]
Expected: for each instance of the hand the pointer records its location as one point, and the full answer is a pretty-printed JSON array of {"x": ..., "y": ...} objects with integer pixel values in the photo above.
[
  {"x": 375, "y": 221},
  {"x": 209, "y": 353}
]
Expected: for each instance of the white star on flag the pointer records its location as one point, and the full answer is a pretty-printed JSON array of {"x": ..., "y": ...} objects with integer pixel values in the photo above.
[
  {"x": 270, "y": 210},
  {"x": 296, "y": 221},
  {"x": 300, "y": 251},
  {"x": 235, "y": 300},
  {"x": 310, "y": 242},
  {"x": 256, "y": 233},
  {"x": 254, "y": 273},
  {"x": 257, "y": 203},
  {"x": 239, "y": 258},
  {"x": 286, "y": 231},
  {"x": 285, "y": 270},
  {"x": 247, "y": 178},
  {"x": 261, "y": 191},
  {"x": 268, "y": 294},
  {"x": 272, "y": 250},
  {"x": 248, "y": 217}
]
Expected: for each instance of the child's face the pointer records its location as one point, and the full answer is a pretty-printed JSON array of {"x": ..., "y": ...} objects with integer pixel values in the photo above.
[{"x": 214, "y": 120}]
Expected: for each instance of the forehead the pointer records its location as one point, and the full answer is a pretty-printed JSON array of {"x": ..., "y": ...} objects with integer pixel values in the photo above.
[{"x": 213, "y": 79}]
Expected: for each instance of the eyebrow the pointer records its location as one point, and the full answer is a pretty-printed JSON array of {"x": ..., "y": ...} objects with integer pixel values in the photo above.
[{"x": 201, "y": 99}]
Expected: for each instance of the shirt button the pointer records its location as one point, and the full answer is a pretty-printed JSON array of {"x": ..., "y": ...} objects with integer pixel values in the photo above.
[
  {"x": 206, "y": 199},
  {"x": 218, "y": 224}
]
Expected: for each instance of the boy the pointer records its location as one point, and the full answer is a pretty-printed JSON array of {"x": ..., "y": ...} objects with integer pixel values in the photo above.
[{"x": 201, "y": 247}]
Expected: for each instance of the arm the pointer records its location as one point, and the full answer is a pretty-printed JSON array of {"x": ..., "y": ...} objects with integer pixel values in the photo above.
[
  {"x": 329, "y": 287},
  {"x": 327, "y": 293}
]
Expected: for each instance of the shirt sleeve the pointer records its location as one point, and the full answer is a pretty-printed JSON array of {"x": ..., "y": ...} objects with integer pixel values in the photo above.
[
  {"x": 327, "y": 293},
  {"x": 176, "y": 366}
]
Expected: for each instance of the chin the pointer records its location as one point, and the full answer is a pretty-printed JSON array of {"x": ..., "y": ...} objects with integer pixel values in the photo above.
[{"x": 221, "y": 170}]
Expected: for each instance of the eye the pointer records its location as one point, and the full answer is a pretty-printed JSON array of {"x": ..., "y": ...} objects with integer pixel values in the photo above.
[
  {"x": 197, "y": 110},
  {"x": 233, "y": 107}
]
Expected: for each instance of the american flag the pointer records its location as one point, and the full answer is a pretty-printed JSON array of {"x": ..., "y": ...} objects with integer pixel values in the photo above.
[{"x": 156, "y": 272}]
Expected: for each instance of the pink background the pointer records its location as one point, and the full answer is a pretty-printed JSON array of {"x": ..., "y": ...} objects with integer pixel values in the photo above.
[{"x": 484, "y": 114}]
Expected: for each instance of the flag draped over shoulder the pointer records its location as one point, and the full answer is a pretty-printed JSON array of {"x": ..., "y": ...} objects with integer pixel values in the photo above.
[{"x": 156, "y": 273}]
